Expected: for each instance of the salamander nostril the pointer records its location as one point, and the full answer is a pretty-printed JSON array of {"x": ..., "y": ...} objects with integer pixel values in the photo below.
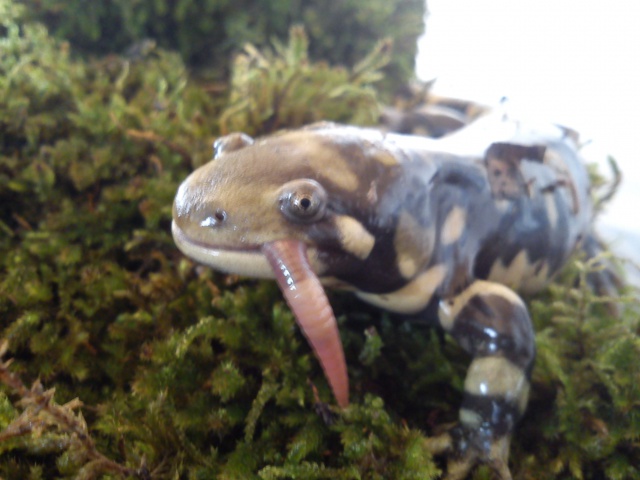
[
  {"x": 215, "y": 220},
  {"x": 220, "y": 215}
]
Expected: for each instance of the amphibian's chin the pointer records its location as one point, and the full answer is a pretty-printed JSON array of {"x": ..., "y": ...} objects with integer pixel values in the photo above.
[{"x": 433, "y": 229}]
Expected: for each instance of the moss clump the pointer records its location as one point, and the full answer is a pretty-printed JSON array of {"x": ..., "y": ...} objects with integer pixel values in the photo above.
[
  {"x": 207, "y": 33},
  {"x": 150, "y": 366},
  {"x": 272, "y": 90}
]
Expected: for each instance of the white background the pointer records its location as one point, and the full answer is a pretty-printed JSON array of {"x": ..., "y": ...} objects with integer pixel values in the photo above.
[{"x": 568, "y": 61}]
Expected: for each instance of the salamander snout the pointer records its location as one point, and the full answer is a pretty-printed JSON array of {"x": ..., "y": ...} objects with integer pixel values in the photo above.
[{"x": 194, "y": 206}]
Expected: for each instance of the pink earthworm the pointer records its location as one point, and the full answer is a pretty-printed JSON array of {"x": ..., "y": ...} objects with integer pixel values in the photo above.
[{"x": 307, "y": 299}]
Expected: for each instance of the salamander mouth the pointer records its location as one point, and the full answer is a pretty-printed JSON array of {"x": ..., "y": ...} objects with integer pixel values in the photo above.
[{"x": 246, "y": 260}]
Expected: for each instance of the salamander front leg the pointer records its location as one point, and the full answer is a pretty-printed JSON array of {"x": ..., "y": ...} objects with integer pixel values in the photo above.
[{"x": 491, "y": 323}]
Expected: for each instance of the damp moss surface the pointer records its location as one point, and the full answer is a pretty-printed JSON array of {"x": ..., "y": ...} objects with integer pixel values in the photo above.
[{"x": 123, "y": 359}]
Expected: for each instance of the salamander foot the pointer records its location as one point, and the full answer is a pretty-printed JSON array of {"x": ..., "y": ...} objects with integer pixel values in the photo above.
[{"x": 466, "y": 449}]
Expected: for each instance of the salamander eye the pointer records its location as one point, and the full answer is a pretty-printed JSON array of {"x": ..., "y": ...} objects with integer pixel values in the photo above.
[{"x": 303, "y": 201}]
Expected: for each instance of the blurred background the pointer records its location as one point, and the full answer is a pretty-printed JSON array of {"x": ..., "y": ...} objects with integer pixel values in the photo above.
[{"x": 573, "y": 62}]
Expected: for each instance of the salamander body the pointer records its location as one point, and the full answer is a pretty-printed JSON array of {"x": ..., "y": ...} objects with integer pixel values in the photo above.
[{"x": 446, "y": 230}]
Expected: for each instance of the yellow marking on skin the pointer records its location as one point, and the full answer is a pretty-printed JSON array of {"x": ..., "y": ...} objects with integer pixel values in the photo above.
[
  {"x": 453, "y": 225},
  {"x": 346, "y": 179},
  {"x": 536, "y": 281},
  {"x": 552, "y": 209},
  {"x": 337, "y": 166},
  {"x": 521, "y": 273},
  {"x": 499, "y": 455},
  {"x": 469, "y": 418},
  {"x": 450, "y": 308},
  {"x": 337, "y": 284},
  {"x": 524, "y": 397},
  {"x": 384, "y": 157},
  {"x": 373, "y": 148},
  {"x": 407, "y": 265},
  {"x": 514, "y": 274},
  {"x": 354, "y": 238},
  {"x": 411, "y": 298},
  {"x": 445, "y": 317},
  {"x": 496, "y": 376},
  {"x": 413, "y": 245}
]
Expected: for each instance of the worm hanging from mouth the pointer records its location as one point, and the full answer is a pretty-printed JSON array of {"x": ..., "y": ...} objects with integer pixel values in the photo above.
[{"x": 306, "y": 298}]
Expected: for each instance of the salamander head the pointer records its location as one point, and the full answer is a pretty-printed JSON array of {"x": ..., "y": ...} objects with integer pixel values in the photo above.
[{"x": 317, "y": 186}]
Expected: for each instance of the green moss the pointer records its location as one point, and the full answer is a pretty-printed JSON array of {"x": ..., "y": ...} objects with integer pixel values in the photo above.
[
  {"x": 180, "y": 372},
  {"x": 587, "y": 369},
  {"x": 271, "y": 91},
  {"x": 207, "y": 33}
]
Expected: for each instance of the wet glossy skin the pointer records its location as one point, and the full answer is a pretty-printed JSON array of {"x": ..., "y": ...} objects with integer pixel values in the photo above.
[{"x": 445, "y": 229}]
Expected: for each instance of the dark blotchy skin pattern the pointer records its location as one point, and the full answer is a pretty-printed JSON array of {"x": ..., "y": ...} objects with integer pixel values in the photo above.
[{"x": 442, "y": 230}]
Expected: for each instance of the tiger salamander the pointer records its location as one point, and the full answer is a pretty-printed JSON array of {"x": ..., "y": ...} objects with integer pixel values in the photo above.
[{"x": 445, "y": 229}]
